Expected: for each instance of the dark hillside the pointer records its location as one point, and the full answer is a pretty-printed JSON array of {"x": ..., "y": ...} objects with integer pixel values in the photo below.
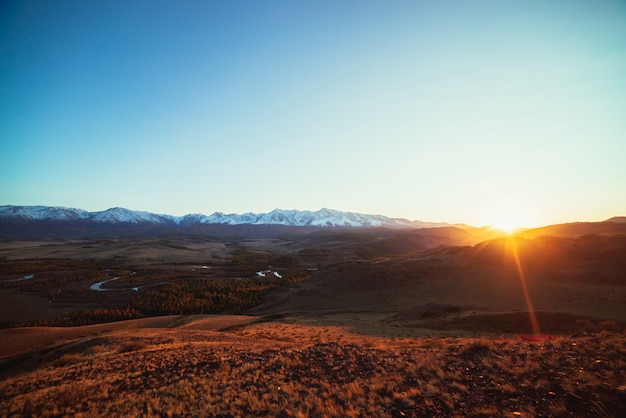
[{"x": 583, "y": 276}]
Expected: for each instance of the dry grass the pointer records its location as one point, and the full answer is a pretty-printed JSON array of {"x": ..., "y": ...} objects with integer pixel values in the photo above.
[{"x": 207, "y": 373}]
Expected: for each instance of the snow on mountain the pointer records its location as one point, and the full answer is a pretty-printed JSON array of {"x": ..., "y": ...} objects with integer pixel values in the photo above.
[
  {"x": 321, "y": 218},
  {"x": 116, "y": 215},
  {"x": 37, "y": 213},
  {"x": 222, "y": 218},
  {"x": 327, "y": 218},
  {"x": 190, "y": 219}
]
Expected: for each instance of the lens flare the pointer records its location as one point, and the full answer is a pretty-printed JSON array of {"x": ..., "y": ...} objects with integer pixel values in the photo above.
[{"x": 511, "y": 245}]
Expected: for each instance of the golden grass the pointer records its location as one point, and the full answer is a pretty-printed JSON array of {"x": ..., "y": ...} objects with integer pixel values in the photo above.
[{"x": 179, "y": 372}]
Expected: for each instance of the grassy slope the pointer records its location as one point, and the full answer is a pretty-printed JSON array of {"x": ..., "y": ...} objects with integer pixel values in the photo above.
[{"x": 259, "y": 370}]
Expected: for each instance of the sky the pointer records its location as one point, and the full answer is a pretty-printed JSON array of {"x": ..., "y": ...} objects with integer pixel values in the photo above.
[{"x": 455, "y": 111}]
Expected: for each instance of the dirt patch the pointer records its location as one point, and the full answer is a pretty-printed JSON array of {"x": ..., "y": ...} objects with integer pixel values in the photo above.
[
  {"x": 515, "y": 323},
  {"x": 216, "y": 322},
  {"x": 21, "y": 340}
]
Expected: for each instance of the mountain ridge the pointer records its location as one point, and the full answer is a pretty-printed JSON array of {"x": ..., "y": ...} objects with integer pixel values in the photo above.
[{"x": 323, "y": 218}]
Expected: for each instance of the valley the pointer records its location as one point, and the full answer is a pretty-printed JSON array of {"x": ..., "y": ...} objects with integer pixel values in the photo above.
[{"x": 340, "y": 322}]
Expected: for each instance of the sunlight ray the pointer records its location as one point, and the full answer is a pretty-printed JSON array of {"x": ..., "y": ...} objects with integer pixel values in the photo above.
[{"x": 512, "y": 246}]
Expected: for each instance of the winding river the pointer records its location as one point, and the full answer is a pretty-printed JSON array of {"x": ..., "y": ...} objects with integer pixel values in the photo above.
[
  {"x": 27, "y": 277},
  {"x": 98, "y": 286}
]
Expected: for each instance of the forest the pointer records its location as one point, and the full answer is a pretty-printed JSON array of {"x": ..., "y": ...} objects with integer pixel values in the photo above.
[{"x": 131, "y": 292}]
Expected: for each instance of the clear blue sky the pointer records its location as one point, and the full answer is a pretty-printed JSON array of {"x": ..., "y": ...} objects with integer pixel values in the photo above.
[{"x": 439, "y": 111}]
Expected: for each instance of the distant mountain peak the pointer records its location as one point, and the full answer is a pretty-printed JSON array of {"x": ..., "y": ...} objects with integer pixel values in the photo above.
[{"x": 323, "y": 218}]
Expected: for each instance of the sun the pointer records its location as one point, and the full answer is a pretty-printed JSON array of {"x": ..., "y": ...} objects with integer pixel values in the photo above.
[
  {"x": 509, "y": 218},
  {"x": 507, "y": 225}
]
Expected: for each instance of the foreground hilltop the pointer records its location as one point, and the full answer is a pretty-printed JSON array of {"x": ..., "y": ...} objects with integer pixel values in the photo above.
[{"x": 269, "y": 370}]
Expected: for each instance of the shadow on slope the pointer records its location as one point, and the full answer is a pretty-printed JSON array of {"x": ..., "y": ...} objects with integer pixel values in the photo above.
[{"x": 582, "y": 276}]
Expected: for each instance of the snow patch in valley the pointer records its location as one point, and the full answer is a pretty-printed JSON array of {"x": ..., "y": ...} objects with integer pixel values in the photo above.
[{"x": 264, "y": 273}]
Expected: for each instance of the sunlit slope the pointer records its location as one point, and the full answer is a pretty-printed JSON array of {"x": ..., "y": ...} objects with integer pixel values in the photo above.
[{"x": 613, "y": 226}]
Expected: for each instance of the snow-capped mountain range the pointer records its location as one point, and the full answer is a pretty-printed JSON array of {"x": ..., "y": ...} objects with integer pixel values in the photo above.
[{"x": 321, "y": 218}]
